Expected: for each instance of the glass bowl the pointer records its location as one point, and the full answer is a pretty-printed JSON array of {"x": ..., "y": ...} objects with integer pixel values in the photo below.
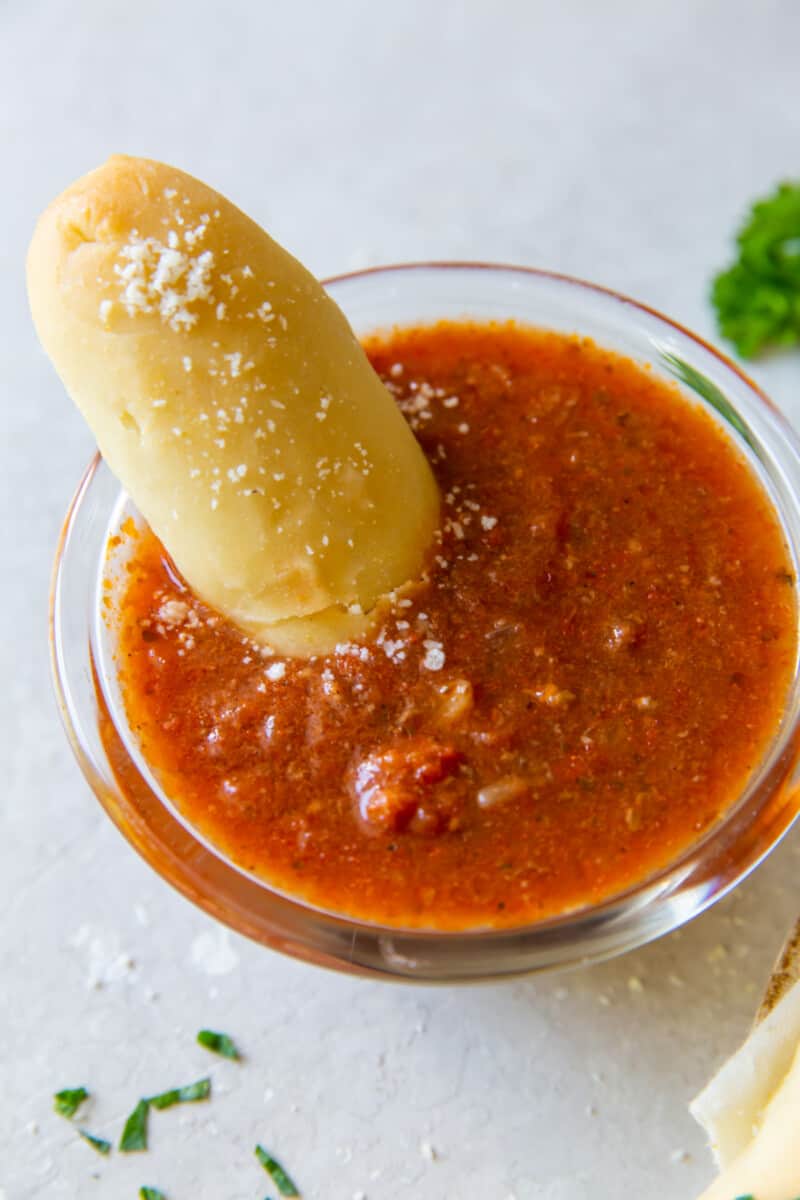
[{"x": 95, "y": 723}]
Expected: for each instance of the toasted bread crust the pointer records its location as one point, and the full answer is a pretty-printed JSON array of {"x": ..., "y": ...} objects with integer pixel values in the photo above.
[{"x": 785, "y": 975}]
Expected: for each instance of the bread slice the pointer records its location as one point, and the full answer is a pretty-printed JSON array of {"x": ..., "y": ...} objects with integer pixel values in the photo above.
[
  {"x": 229, "y": 395},
  {"x": 768, "y": 1168},
  {"x": 732, "y": 1108}
]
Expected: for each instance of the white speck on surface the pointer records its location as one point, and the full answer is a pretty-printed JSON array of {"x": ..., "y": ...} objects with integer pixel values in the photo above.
[
  {"x": 434, "y": 658},
  {"x": 275, "y": 671},
  {"x": 213, "y": 953},
  {"x": 106, "y": 962},
  {"x": 428, "y": 1151}
]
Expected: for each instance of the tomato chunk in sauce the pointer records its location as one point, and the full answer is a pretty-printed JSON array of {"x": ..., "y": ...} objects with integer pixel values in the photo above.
[{"x": 594, "y": 662}]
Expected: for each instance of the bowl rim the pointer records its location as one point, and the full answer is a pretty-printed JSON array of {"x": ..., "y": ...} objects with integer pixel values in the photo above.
[
  {"x": 467, "y": 264},
  {"x": 658, "y": 881}
]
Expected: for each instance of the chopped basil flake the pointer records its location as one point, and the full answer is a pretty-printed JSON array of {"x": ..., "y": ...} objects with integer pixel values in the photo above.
[
  {"x": 148, "y": 1193},
  {"x": 67, "y": 1102},
  {"x": 97, "y": 1143},
  {"x": 184, "y": 1095},
  {"x": 134, "y": 1135},
  {"x": 282, "y": 1181},
  {"x": 219, "y": 1043}
]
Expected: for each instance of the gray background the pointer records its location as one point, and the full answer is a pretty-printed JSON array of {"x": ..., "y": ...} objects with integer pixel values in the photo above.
[{"x": 618, "y": 141}]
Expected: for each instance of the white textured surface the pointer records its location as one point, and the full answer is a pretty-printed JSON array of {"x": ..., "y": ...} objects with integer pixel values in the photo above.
[{"x": 617, "y": 140}]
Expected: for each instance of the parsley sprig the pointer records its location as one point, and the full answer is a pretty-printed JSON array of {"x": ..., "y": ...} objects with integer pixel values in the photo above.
[{"x": 758, "y": 298}]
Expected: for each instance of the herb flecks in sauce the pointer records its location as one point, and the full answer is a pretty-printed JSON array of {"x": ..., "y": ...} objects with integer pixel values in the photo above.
[{"x": 594, "y": 663}]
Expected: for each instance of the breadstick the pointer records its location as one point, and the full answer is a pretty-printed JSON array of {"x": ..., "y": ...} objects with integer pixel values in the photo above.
[{"x": 229, "y": 395}]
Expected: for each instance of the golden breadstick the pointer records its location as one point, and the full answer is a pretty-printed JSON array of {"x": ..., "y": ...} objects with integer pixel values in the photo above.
[{"x": 231, "y": 398}]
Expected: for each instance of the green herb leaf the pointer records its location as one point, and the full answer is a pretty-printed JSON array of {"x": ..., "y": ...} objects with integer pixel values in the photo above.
[
  {"x": 184, "y": 1095},
  {"x": 758, "y": 298},
  {"x": 148, "y": 1193},
  {"x": 134, "y": 1135},
  {"x": 218, "y": 1043},
  {"x": 97, "y": 1143},
  {"x": 282, "y": 1181},
  {"x": 67, "y": 1102}
]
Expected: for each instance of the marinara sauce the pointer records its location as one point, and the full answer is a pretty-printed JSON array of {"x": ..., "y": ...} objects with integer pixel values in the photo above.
[{"x": 575, "y": 692}]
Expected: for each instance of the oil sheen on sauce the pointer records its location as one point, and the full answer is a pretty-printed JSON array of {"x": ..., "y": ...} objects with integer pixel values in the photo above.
[{"x": 576, "y": 691}]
